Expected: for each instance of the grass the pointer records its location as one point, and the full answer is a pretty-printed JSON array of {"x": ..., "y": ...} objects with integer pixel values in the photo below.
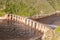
[
  {"x": 57, "y": 29},
  {"x": 33, "y": 7},
  {"x": 57, "y": 33},
  {"x": 36, "y": 6},
  {"x": 2, "y": 13}
]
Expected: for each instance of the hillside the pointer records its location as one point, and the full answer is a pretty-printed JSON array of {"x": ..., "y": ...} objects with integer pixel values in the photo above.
[{"x": 29, "y": 7}]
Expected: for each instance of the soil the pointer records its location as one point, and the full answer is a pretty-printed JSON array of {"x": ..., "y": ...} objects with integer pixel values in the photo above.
[
  {"x": 13, "y": 30},
  {"x": 52, "y": 20}
]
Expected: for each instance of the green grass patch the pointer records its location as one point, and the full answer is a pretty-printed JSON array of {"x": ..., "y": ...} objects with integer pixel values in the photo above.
[
  {"x": 31, "y": 7},
  {"x": 57, "y": 29},
  {"x": 2, "y": 14},
  {"x": 57, "y": 33}
]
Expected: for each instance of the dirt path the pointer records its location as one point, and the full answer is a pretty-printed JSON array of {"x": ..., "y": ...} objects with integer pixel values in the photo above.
[
  {"x": 52, "y": 20},
  {"x": 16, "y": 31}
]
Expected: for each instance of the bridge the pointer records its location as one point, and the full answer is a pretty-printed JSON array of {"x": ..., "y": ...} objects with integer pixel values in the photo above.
[{"x": 24, "y": 28}]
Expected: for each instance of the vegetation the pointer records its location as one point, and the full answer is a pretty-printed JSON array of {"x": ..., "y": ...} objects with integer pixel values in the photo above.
[
  {"x": 55, "y": 4},
  {"x": 29, "y": 7},
  {"x": 57, "y": 33},
  {"x": 2, "y": 13}
]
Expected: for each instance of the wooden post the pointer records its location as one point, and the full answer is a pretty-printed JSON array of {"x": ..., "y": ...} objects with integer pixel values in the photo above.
[
  {"x": 25, "y": 23},
  {"x": 35, "y": 29},
  {"x": 11, "y": 19},
  {"x": 8, "y": 19},
  {"x": 31, "y": 27}
]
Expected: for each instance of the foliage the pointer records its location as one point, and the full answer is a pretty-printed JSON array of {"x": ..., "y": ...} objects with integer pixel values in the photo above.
[
  {"x": 57, "y": 33},
  {"x": 55, "y": 4},
  {"x": 2, "y": 13},
  {"x": 29, "y": 7}
]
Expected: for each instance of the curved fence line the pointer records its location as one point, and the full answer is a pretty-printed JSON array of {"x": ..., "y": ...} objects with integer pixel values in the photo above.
[{"x": 36, "y": 25}]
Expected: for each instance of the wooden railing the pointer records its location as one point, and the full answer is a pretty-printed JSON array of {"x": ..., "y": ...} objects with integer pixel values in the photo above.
[{"x": 36, "y": 25}]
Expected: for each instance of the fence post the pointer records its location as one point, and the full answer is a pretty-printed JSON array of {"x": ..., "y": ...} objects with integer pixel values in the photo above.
[
  {"x": 8, "y": 19},
  {"x": 35, "y": 28}
]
